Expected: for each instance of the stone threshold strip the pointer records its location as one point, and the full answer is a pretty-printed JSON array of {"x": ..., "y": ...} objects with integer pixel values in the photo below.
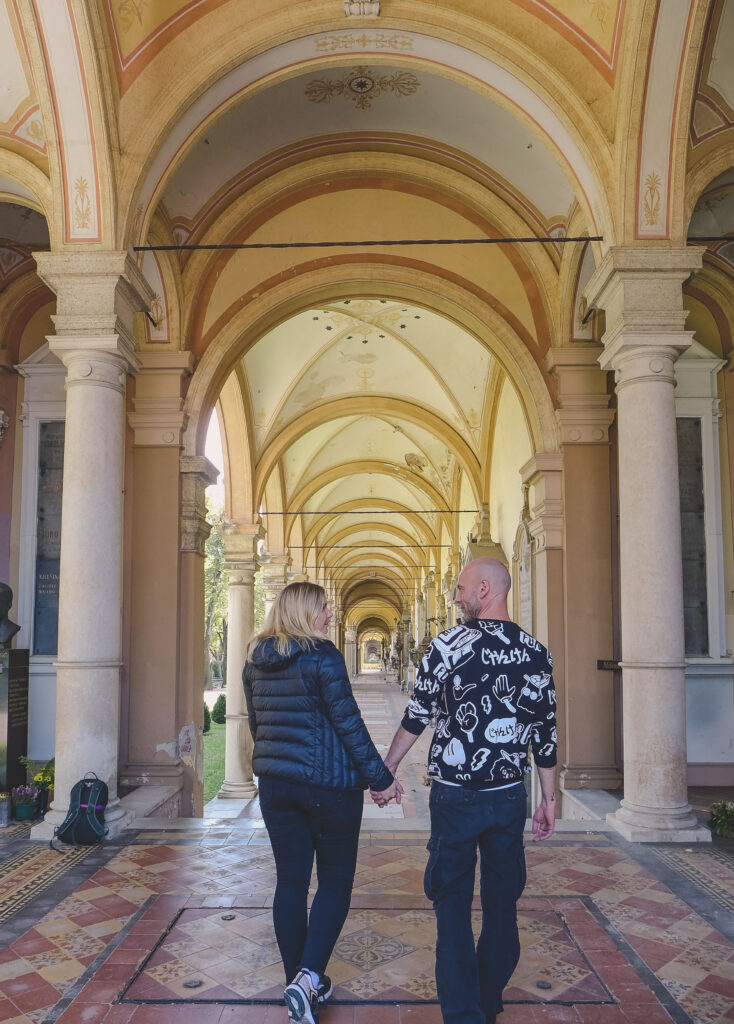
[{"x": 568, "y": 942}]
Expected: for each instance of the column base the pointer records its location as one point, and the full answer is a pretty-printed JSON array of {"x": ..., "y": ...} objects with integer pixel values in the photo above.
[
  {"x": 640, "y": 824},
  {"x": 116, "y": 820},
  {"x": 595, "y": 776},
  {"x": 237, "y": 790}
]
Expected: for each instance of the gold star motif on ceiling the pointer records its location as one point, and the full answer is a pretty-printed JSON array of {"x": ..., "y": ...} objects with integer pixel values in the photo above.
[{"x": 362, "y": 85}]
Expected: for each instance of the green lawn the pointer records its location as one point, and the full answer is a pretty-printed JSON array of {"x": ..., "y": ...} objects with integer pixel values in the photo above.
[{"x": 213, "y": 760}]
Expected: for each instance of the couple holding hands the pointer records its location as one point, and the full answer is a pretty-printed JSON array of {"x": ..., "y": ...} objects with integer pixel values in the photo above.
[{"x": 314, "y": 757}]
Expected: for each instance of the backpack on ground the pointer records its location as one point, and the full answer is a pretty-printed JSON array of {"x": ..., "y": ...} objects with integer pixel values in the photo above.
[{"x": 84, "y": 824}]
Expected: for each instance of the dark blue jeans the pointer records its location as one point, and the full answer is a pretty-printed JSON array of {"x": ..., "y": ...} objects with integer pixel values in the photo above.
[
  {"x": 470, "y": 980},
  {"x": 303, "y": 821}
]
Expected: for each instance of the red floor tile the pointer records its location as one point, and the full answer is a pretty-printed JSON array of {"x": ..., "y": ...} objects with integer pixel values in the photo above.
[
  {"x": 84, "y": 1013},
  {"x": 646, "y": 1013},
  {"x": 375, "y": 1015},
  {"x": 99, "y": 991},
  {"x": 8, "y": 1009}
]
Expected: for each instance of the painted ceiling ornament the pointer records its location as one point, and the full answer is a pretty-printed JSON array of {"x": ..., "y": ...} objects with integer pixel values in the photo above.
[
  {"x": 416, "y": 462},
  {"x": 361, "y": 85},
  {"x": 361, "y": 8},
  {"x": 652, "y": 199}
]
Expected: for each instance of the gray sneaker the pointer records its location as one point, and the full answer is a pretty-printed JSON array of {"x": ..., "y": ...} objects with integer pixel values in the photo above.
[{"x": 302, "y": 999}]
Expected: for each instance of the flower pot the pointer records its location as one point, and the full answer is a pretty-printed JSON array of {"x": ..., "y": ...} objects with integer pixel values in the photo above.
[{"x": 24, "y": 812}]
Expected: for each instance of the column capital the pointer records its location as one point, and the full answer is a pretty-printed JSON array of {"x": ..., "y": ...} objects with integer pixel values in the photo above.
[
  {"x": 640, "y": 290},
  {"x": 158, "y": 417},
  {"x": 584, "y": 416},
  {"x": 197, "y": 472},
  {"x": 275, "y": 574},
  {"x": 241, "y": 543},
  {"x": 103, "y": 361},
  {"x": 97, "y": 294},
  {"x": 544, "y": 474}
]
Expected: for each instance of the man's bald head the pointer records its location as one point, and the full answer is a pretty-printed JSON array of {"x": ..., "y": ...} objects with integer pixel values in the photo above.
[{"x": 482, "y": 589}]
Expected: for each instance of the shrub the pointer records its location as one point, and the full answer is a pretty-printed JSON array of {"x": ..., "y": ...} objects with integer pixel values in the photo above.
[
  {"x": 219, "y": 710},
  {"x": 207, "y": 718},
  {"x": 721, "y": 821}
]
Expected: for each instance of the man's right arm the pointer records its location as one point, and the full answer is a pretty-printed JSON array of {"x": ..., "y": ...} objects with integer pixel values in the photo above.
[{"x": 401, "y": 744}]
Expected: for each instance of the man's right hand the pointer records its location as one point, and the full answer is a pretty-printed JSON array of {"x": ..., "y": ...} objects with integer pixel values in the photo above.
[
  {"x": 544, "y": 821},
  {"x": 382, "y": 797}
]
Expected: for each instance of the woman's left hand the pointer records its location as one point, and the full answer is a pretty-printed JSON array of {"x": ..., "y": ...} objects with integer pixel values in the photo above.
[{"x": 382, "y": 797}]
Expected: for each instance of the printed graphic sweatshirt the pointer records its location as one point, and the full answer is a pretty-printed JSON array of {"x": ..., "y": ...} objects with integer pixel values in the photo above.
[{"x": 489, "y": 687}]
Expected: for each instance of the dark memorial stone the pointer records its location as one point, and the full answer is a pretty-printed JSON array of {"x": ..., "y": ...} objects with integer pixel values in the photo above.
[
  {"x": 48, "y": 538},
  {"x": 693, "y": 536},
  {"x": 13, "y": 716}
]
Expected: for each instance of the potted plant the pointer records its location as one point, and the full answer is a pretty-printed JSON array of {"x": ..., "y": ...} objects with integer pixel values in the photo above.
[
  {"x": 25, "y": 799},
  {"x": 43, "y": 779}
]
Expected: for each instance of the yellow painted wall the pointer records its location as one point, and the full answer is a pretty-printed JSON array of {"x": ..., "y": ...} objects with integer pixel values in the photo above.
[
  {"x": 371, "y": 214},
  {"x": 511, "y": 449}
]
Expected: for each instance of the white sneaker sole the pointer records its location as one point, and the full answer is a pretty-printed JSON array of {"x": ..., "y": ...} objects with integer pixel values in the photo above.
[{"x": 299, "y": 1008}]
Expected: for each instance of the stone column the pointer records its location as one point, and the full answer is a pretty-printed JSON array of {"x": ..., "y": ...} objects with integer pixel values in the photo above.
[
  {"x": 543, "y": 474},
  {"x": 97, "y": 297},
  {"x": 584, "y": 419},
  {"x": 275, "y": 577},
  {"x": 350, "y": 652},
  {"x": 196, "y": 475},
  {"x": 641, "y": 293},
  {"x": 406, "y": 676},
  {"x": 241, "y": 564},
  {"x": 429, "y": 590},
  {"x": 151, "y": 640}
]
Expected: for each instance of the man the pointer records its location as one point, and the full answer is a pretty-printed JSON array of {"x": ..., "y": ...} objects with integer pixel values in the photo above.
[{"x": 489, "y": 687}]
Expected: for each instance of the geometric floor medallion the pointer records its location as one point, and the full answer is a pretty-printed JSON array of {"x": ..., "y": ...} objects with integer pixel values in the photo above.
[{"x": 384, "y": 955}]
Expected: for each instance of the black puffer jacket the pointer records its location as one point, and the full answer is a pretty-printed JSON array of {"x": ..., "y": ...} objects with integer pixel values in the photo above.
[{"x": 305, "y": 721}]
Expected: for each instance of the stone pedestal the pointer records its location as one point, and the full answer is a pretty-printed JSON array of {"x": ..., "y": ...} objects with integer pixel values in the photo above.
[
  {"x": 13, "y": 716},
  {"x": 97, "y": 296},
  {"x": 640, "y": 290},
  {"x": 241, "y": 563}
]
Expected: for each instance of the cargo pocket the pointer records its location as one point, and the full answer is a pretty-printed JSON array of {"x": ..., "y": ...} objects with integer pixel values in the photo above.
[{"x": 432, "y": 876}]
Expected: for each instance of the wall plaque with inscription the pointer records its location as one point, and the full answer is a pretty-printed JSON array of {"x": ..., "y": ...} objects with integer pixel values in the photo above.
[
  {"x": 48, "y": 537},
  {"x": 693, "y": 536},
  {"x": 13, "y": 716}
]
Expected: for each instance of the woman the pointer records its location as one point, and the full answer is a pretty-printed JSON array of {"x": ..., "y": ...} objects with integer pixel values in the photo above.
[{"x": 313, "y": 758}]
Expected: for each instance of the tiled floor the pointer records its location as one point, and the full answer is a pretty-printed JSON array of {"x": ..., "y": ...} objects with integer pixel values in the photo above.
[{"x": 611, "y": 933}]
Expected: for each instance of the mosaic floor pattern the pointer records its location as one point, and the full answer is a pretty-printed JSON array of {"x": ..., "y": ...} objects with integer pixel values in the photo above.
[
  {"x": 383, "y": 956},
  {"x": 608, "y": 936},
  {"x": 27, "y": 873}
]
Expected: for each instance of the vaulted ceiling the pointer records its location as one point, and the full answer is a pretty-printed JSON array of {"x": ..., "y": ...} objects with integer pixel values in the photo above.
[{"x": 371, "y": 383}]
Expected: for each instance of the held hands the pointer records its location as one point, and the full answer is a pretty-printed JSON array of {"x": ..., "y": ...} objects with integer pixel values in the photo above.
[
  {"x": 544, "y": 821},
  {"x": 383, "y": 797}
]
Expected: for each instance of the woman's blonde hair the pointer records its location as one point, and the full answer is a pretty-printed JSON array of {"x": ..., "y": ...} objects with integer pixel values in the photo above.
[{"x": 292, "y": 617}]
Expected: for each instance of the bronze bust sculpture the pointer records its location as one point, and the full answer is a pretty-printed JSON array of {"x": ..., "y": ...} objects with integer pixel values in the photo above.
[{"x": 8, "y": 629}]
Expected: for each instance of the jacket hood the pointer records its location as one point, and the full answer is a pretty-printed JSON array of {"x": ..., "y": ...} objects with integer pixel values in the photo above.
[{"x": 266, "y": 658}]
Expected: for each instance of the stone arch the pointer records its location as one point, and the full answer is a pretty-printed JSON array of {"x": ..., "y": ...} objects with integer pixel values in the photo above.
[
  {"x": 517, "y": 91},
  {"x": 429, "y": 289}
]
